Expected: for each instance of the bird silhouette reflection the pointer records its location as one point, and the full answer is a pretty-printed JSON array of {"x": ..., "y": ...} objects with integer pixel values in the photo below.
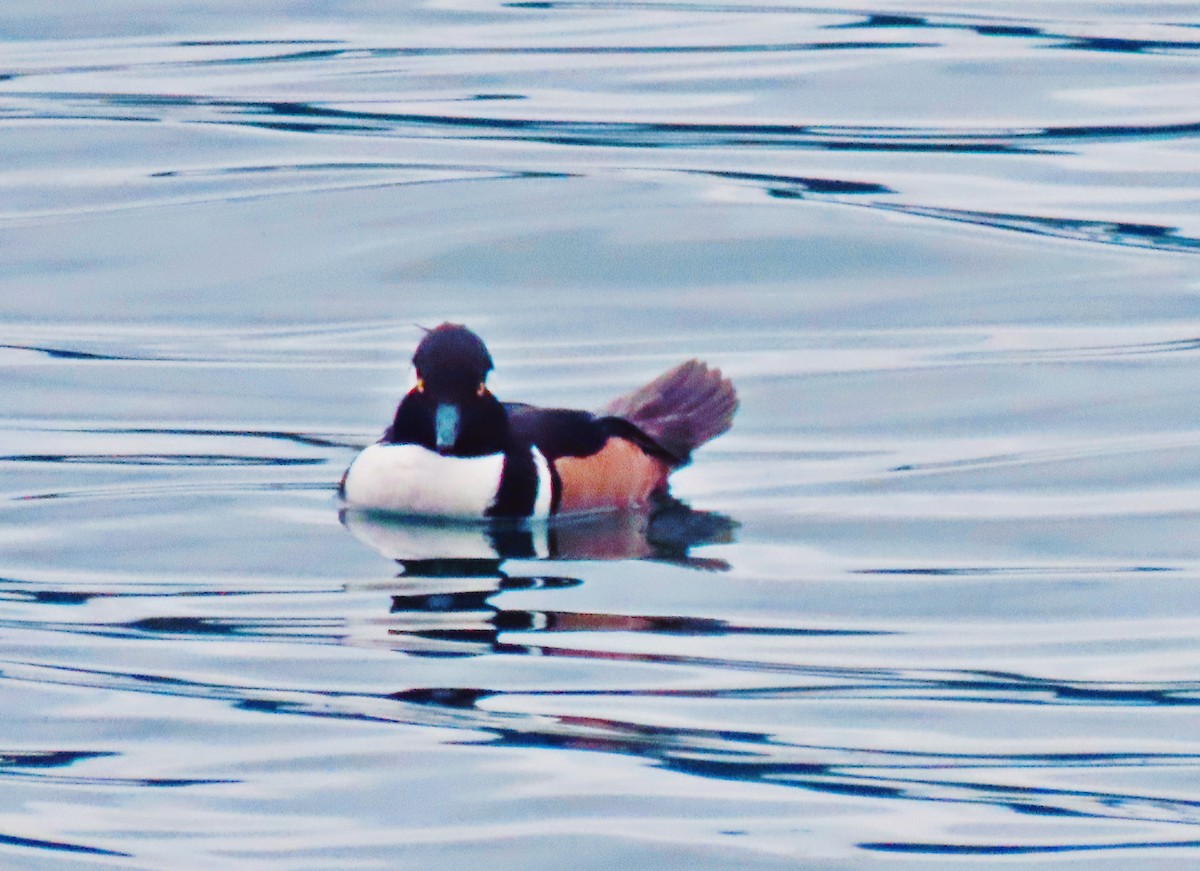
[{"x": 442, "y": 600}]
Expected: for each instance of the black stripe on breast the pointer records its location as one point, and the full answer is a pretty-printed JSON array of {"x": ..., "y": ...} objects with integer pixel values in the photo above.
[
  {"x": 555, "y": 487},
  {"x": 518, "y": 488}
]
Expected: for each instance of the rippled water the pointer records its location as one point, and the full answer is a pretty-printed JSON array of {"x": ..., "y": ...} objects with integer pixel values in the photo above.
[{"x": 937, "y": 596}]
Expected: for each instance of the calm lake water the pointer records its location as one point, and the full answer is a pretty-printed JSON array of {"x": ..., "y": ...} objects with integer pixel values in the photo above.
[{"x": 938, "y": 599}]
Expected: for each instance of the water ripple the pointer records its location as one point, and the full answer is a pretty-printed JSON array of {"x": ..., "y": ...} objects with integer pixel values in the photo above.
[
  {"x": 63, "y": 353},
  {"x": 724, "y": 755},
  {"x": 311, "y": 117},
  {"x": 1022, "y": 849},
  {"x": 58, "y": 846},
  {"x": 162, "y": 459},
  {"x": 1104, "y": 232},
  {"x": 33, "y": 765}
]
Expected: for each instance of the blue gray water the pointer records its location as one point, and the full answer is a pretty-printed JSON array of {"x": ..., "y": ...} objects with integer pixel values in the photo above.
[{"x": 937, "y": 597}]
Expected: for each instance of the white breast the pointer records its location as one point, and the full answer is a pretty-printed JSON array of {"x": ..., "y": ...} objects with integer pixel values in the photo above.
[{"x": 410, "y": 479}]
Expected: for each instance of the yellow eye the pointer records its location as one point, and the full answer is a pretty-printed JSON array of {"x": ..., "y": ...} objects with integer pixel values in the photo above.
[{"x": 420, "y": 388}]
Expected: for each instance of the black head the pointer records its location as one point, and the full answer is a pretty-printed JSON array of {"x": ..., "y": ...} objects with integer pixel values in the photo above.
[
  {"x": 452, "y": 363},
  {"x": 450, "y": 410}
]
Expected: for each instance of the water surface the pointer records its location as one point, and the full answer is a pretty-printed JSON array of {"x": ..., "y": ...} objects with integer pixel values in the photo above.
[{"x": 935, "y": 599}]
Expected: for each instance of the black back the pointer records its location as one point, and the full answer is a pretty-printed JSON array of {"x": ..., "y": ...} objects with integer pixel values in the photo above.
[{"x": 564, "y": 432}]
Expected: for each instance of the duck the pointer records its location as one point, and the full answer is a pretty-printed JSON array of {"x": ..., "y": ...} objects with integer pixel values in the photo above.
[{"x": 454, "y": 450}]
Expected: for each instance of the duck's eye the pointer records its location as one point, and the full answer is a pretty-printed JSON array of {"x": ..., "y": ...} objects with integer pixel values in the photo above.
[
  {"x": 420, "y": 388},
  {"x": 481, "y": 389}
]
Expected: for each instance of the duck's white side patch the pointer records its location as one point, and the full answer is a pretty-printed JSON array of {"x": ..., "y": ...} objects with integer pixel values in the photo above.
[
  {"x": 410, "y": 479},
  {"x": 545, "y": 490}
]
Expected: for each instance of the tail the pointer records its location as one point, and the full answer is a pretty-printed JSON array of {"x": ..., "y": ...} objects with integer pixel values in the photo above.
[{"x": 681, "y": 409}]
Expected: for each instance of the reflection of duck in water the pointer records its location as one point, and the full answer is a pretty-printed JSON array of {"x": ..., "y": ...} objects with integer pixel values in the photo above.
[
  {"x": 664, "y": 531},
  {"x": 454, "y": 450},
  {"x": 441, "y": 604}
]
